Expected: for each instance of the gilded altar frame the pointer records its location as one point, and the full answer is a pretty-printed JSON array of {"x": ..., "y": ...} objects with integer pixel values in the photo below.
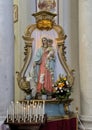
[{"x": 44, "y": 21}]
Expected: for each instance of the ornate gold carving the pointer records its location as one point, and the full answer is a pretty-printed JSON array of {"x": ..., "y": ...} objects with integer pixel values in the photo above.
[
  {"x": 44, "y": 20},
  {"x": 15, "y": 13},
  {"x": 43, "y": 15},
  {"x": 45, "y": 24},
  {"x": 23, "y": 84},
  {"x": 61, "y": 52},
  {"x": 47, "y": 19}
]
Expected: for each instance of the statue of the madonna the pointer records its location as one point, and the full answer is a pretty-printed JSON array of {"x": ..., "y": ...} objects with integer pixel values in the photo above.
[{"x": 44, "y": 66}]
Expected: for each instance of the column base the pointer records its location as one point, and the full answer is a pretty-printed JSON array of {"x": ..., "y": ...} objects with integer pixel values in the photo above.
[
  {"x": 2, "y": 126},
  {"x": 86, "y": 122}
]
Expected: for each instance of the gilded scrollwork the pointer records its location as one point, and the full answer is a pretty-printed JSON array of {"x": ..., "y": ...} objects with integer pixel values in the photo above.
[
  {"x": 44, "y": 20},
  {"x": 61, "y": 52},
  {"x": 23, "y": 84}
]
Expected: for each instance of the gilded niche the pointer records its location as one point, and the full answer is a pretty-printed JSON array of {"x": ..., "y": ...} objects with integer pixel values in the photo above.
[{"x": 44, "y": 21}]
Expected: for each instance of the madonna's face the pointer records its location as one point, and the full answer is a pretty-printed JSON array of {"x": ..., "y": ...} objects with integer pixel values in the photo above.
[{"x": 45, "y": 42}]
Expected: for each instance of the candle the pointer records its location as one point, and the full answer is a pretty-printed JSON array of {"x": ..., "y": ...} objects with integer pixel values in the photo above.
[
  {"x": 30, "y": 112},
  {"x": 40, "y": 111},
  {"x": 22, "y": 107},
  {"x": 17, "y": 110},
  {"x": 35, "y": 108},
  {"x": 12, "y": 108},
  {"x": 7, "y": 116},
  {"x": 28, "y": 107},
  {"x": 33, "y": 111},
  {"x": 43, "y": 110},
  {"x": 24, "y": 114},
  {"x": 25, "y": 111},
  {"x": 36, "y": 111},
  {"x": 39, "y": 108},
  {"x": 10, "y": 112},
  {"x": 43, "y": 107}
]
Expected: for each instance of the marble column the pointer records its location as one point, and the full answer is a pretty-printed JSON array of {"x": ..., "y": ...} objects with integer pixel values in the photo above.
[
  {"x": 85, "y": 61},
  {"x": 6, "y": 56},
  {"x": 70, "y": 26}
]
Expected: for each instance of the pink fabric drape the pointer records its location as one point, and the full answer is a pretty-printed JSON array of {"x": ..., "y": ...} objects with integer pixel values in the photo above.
[{"x": 65, "y": 124}]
